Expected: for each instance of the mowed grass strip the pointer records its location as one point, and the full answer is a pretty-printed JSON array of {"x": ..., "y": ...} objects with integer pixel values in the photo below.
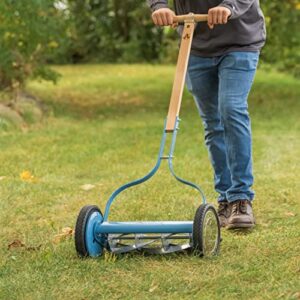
[{"x": 105, "y": 130}]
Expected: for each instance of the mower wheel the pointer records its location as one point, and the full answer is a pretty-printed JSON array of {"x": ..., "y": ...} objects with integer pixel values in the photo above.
[
  {"x": 86, "y": 243},
  {"x": 206, "y": 231}
]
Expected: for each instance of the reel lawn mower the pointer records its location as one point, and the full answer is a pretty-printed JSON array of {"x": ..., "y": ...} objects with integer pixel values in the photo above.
[{"x": 93, "y": 231}]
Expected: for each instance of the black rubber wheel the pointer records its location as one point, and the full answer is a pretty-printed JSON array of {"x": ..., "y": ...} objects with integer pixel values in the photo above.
[
  {"x": 206, "y": 231},
  {"x": 80, "y": 229}
]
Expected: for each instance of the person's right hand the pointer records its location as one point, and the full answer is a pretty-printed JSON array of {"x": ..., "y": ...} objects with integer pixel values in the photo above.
[{"x": 163, "y": 17}]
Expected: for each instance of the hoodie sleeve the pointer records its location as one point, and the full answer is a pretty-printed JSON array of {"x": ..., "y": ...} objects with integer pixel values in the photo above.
[
  {"x": 237, "y": 7},
  {"x": 157, "y": 4}
]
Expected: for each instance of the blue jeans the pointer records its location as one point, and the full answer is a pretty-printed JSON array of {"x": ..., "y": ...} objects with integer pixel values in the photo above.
[{"x": 220, "y": 86}]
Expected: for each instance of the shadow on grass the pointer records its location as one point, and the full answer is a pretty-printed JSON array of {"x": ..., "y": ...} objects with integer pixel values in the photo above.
[{"x": 265, "y": 101}]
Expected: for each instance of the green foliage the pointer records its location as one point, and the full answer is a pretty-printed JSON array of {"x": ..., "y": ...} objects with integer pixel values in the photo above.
[
  {"x": 113, "y": 31},
  {"x": 29, "y": 33},
  {"x": 122, "y": 31},
  {"x": 283, "y": 43},
  {"x": 34, "y": 33}
]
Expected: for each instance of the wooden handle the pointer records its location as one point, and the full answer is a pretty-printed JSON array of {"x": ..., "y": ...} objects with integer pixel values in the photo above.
[
  {"x": 190, "y": 17},
  {"x": 179, "y": 80}
]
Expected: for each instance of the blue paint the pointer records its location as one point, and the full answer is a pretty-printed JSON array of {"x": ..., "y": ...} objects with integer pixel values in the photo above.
[
  {"x": 99, "y": 228},
  {"x": 145, "y": 227},
  {"x": 92, "y": 245}
]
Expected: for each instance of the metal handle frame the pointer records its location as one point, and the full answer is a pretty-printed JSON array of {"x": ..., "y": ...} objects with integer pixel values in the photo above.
[
  {"x": 169, "y": 157},
  {"x": 172, "y": 121}
]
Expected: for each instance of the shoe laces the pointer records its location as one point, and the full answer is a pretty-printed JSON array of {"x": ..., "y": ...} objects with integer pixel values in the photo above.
[{"x": 239, "y": 207}]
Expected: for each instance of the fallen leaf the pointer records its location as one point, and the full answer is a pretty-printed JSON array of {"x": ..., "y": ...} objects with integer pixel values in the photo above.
[
  {"x": 65, "y": 233},
  {"x": 67, "y": 230},
  {"x": 15, "y": 244},
  {"x": 33, "y": 248},
  {"x": 2, "y": 177},
  {"x": 28, "y": 177},
  {"x": 87, "y": 187},
  {"x": 19, "y": 244},
  {"x": 290, "y": 214}
]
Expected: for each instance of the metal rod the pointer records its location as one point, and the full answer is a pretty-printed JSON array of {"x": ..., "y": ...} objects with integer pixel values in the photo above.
[
  {"x": 172, "y": 148},
  {"x": 182, "y": 237},
  {"x": 145, "y": 227}
]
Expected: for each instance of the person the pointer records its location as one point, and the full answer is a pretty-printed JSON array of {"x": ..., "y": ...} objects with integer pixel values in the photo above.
[{"x": 222, "y": 64}]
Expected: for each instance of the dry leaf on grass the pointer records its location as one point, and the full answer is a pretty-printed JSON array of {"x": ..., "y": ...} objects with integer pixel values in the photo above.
[
  {"x": 28, "y": 177},
  {"x": 290, "y": 214},
  {"x": 33, "y": 248},
  {"x": 15, "y": 244},
  {"x": 67, "y": 230},
  {"x": 19, "y": 244},
  {"x": 87, "y": 187},
  {"x": 65, "y": 233},
  {"x": 153, "y": 287}
]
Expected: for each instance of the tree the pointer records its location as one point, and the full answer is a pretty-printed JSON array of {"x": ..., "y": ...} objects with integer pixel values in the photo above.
[
  {"x": 283, "y": 42},
  {"x": 113, "y": 31},
  {"x": 30, "y": 31}
]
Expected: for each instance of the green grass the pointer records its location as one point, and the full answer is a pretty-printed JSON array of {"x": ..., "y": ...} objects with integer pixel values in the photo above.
[{"x": 105, "y": 130}]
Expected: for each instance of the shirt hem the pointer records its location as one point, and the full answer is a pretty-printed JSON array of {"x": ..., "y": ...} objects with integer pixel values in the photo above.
[{"x": 222, "y": 52}]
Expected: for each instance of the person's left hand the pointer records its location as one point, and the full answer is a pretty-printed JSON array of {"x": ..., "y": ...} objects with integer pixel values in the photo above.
[{"x": 218, "y": 15}]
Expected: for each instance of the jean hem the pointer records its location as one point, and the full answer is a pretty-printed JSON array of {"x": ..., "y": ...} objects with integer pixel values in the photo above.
[
  {"x": 240, "y": 197},
  {"x": 222, "y": 199}
]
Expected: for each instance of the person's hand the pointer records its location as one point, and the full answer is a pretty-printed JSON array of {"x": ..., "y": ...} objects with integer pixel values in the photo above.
[
  {"x": 163, "y": 17},
  {"x": 218, "y": 15}
]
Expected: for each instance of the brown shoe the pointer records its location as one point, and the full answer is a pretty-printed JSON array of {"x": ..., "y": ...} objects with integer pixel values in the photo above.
[
  {"x": 241, "y": 215},
  {"x": 224, "y": 211}
]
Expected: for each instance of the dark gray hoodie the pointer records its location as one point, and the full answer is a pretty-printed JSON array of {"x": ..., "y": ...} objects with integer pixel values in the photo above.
[{"x": 245, "y": 30}]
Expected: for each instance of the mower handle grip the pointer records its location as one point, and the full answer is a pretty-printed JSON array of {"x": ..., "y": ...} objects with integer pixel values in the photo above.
[{"x": 190, "y": 17}]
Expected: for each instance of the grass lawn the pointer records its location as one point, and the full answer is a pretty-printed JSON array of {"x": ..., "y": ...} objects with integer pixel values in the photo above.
[{"x": 104, "y": 130}]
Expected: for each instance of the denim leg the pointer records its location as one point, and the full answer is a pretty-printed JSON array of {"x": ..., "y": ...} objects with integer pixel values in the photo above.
[
  {"x": 236, "y": 74},
  {"x": 202, "y": 82}
]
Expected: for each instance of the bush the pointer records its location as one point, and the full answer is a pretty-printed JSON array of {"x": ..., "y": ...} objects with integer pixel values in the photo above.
[
  {"x": 283, "y": 35},
  {"x": 30, "y": 31},
  {"x": 113, "y": 31}
]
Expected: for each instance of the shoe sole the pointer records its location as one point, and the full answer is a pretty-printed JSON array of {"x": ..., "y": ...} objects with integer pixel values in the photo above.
[{"x": 240, "y": 226}]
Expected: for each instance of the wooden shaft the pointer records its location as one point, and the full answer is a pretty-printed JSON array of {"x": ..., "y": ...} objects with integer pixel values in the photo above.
[
  {"x": 179, "y": 80},
  {"x": 190, "y": 17}
]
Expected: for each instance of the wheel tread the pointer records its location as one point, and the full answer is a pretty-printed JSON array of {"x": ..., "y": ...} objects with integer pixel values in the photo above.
[
  {"x": 82, "y": 219},
  {"x": 198, "y": 228}
]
